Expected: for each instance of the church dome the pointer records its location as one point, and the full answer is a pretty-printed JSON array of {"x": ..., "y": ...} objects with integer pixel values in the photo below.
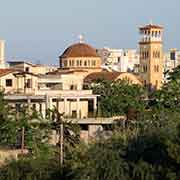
[{"x": 79, "y": 50}]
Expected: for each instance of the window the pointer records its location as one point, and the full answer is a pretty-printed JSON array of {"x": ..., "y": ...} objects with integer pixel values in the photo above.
[
  {"x": 145, "y": 83},
  {"x": 145, "y": 68},
  {"x": 85, "y": 63},
  {"x": 65, "y": 63},
  {"x": 72, "y": 62},
  {"x": 69, "y": 62},
  {"x": 77, "y": 63},
  {"x": 80, "y": 63},
  {"x": 156, "y": 83},
  {"x": 8, "y": 82},
  {"x": 27, "y": 69},
  {"x": 34, "y": 107},
  {"x": 119, "y": 59},
  {"x": 156, "y": 68},
  {"x": 93, "y": 63},
  {"x": 173, "y": 55},
  {"x": 89, "y": 64},
  {"x": 29, "y": 83},
  {"x": 73, "y": 87}
]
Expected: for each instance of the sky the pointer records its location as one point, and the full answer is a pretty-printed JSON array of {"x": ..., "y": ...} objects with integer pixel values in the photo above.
[{"x": 40, "y": 30}]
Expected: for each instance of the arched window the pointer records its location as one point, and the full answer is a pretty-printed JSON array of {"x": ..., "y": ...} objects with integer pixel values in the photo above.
[
  {"x": 157, "y": 68},
  {"x": 69, "y": 62},
  {"x": 85, "y": 63},
  {"x": 89, "y": 64},
  {"x": 77, "y": 63},
  {"x": 152, "y": 33},
  {"x": 156, "y": 83},
  {"x": 65, "y": 63},
  {"x": 72, "y": 62},
  {"x": 80, "y": 62}
]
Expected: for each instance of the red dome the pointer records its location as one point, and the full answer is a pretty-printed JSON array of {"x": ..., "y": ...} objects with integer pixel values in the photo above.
[{"x": 79, "y": 50}]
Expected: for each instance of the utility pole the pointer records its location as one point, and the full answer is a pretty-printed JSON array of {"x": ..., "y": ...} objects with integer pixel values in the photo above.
[
  {"x": 61, "y": 140},
  {"x": 22, "y": 141}
]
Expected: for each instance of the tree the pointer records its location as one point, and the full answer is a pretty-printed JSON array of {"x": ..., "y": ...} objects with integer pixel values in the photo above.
[
  {"x": 168, "y": 96},
  {"x": 7, "y": 123},
  {"x": 119, "y": 97}
]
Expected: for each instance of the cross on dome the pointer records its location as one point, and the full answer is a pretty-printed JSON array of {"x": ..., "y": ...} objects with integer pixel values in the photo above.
[{"x": 81, "y": 38}]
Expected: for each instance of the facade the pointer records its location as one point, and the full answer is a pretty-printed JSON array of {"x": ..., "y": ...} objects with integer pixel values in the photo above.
[
  {"x": 120, "y": 60},
  {"x": 171, "y": 59},
  {"x": 30, "y": 67},
  {"x": 42, "y": 88},
  {"x": 43, "y": 92},
  {"x": 112, "y": 76},
  {"x": 80, "y": 56},
  {"x": 151, "y": 56}
]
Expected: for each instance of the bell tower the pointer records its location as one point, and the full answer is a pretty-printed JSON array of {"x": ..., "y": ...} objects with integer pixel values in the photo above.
[{"x": 151, "y": 55}]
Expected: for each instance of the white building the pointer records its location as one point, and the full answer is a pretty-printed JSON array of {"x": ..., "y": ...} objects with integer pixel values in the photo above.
[
  {"x": 2, "y": 54},
  {"x": 121, "y": 60}
]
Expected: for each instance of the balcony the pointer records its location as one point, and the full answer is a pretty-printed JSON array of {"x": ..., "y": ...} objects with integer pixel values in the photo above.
[{"x": 45, "y": 91}]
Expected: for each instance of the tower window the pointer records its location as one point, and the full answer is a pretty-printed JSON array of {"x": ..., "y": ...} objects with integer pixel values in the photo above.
[{"x": 156, "y": 83}]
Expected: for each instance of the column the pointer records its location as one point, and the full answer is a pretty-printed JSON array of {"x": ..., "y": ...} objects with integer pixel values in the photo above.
[
  {"x": 43, "y": 109},
  {"x": 65, "y": 104},
  {"x": 57, "y": 104},
  {"x": 78, "y": 108},
  {"x": 47, "y": 101},
  {"x": 29, "y": 104},
  {"x": 95, "y": 103}
]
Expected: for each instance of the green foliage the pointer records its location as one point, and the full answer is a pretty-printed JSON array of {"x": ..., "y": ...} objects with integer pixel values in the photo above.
[
  {"x": 30, "y": 169},
  {"x": 118, "y": 97},
  {"x": 7, "y": 124},
  {"x": 169, "y": 96}
]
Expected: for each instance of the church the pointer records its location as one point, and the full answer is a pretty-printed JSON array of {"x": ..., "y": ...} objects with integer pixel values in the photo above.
[{"x": 79, "y": 65}]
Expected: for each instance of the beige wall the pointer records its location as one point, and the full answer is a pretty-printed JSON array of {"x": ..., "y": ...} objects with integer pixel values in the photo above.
[
  {"x": 130, "y": 77},
  {"x": 36, "y": 69},
  {"x": 18, "y": 83},
  {"x": 81, "y": 62},
  {"x": 68, "y": 106}
]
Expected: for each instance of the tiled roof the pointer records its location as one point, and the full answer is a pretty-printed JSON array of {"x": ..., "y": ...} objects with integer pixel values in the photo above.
[
  {"x": 101, "y": 75},
  {"x": 149, "y": 26},
  {"x": 79, "y": 50},
  {"x": 65, "y": 71},
  {"x": 5, "y": 71}
]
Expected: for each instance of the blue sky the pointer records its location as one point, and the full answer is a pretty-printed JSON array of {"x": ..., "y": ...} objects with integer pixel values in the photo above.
[{"x": 40, "y": 30}]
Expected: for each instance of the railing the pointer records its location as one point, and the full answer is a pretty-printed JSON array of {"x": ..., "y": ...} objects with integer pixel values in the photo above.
[{"x": 64, "y": 92}]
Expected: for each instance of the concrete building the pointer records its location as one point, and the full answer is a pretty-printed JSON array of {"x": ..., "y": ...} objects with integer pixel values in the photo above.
[
  {"x": 80, "y": 56},
  {"x": 151, "y": 56},
  {"x": 29, "y": 84},
  {"x": 120, "y": 60},
  {"x": 171, "y": 59},
  {"x": 27, "y": 66}
]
